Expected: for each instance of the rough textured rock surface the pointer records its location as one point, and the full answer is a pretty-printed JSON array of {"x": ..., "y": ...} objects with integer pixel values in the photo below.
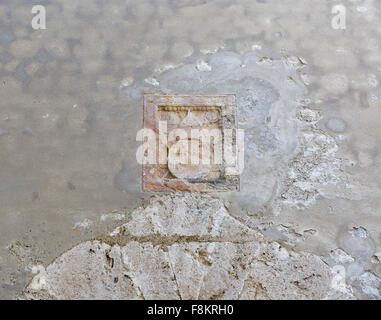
[
  {"x": 308, "y": 98},
  {"x": 184, "y": 247}
]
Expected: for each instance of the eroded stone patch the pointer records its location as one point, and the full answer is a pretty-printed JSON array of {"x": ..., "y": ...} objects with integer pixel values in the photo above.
[{"x": 183, "y": 247}]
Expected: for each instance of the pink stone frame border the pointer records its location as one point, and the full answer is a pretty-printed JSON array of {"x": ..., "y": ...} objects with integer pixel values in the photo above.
[{"x": 152, "y": 175}]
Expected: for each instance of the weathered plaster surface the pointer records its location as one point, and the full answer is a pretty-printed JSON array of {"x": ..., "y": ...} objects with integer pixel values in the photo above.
[
  {"x": 308, "y": 98},
  {"x": 184, "y": 247}
]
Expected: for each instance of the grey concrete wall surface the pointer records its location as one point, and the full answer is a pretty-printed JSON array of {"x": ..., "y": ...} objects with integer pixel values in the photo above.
[{"x": 74, "y": 222}]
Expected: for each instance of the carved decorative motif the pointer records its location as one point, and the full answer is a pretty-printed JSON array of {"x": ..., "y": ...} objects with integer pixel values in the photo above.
[{"x": 198, "y": 125}]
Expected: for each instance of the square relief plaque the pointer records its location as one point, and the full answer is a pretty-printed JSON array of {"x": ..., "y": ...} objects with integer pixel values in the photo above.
[{"x": 190, "y": 137}]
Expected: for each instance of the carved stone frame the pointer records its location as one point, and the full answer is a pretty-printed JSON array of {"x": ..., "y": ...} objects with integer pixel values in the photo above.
[{"x": 155, "y": 177}]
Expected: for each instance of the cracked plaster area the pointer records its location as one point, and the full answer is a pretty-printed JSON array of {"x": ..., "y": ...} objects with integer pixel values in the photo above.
[
  {"x": 275, "y": 239},
  {"x": 308, "y": 99},
  {"x": 184, "y": 247}
]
